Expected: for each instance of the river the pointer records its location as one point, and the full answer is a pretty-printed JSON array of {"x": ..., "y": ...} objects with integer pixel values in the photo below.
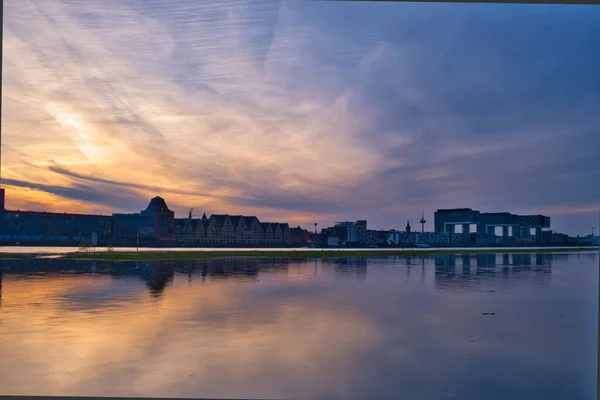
[
  {"x": 63, "y": 249},
  {"x": 488, "y": 326}
]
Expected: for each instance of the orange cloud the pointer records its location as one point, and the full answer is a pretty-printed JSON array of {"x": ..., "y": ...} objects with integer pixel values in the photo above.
[{"x": 101, "y": 101}]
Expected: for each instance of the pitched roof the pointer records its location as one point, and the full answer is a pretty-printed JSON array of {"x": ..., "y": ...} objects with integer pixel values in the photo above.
[
  {"x": 235, "y": 220},
  {"x": 158, "y": 204},
  {"x": 205, "y": 223},
  {"x": 180, "y": 221},
  {"x": 219, "y": 219},
  {"x": 194, "y": 223},
  {"x": 250, "y": 220},
  {"x": 297, "y": 231}
]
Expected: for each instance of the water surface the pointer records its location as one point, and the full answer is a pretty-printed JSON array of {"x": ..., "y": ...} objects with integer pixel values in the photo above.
[
  {"x": 348, "y": 328},
  {"x": 66, "y": 249}
]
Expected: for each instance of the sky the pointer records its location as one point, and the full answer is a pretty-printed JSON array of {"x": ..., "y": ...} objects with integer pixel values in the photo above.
[{"x": 303, "y": 111}]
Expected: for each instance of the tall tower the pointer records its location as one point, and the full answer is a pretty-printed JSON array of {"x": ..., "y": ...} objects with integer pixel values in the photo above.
[
  {"x": 407, "y": 226},
  {"x": 315, "y": 228},
  {"x": 422, "y": 221}
]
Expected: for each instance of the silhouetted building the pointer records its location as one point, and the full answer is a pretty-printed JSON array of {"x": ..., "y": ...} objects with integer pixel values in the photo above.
[
  {"x": 164, "y": 219},
  {"x": 133, "y": 227},
  {"x": 516, "y": 229},
  {"x": 2, "y": 200},
  {"x": 37, "y": 227},
  {"x": 232, "y": 230},
  {"x": 156, "y": 223},
  {"x": 300, "y": 236}
]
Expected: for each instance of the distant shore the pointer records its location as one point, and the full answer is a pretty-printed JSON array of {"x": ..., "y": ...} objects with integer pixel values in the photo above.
[{"x": 205, "y": 255}]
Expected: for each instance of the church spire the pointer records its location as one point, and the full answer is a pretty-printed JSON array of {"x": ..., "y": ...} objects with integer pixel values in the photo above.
[{"x": 407, "y": 226}]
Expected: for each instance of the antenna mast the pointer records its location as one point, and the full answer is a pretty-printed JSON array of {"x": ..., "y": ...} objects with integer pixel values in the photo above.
[{"x": 422, "y": 221}]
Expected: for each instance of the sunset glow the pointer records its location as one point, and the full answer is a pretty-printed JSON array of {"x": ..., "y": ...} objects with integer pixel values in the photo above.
[{"x": 285, "y": 111}]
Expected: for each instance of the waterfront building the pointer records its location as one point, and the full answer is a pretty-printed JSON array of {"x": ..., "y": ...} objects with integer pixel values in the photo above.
[
  {"x": 516, "y": 229},
  {"x": 346, "y": 232},
  {"x": 17, "y": 226},
  {"x": 398, "y": 238},
  {"x": 131, "y": 227},
  {"x": 300, "y": 236},
  {"x": 371, "y": 237},
  {"x": 277, "y": 233},
  {"x": 253, "y": 233},
  {"x": 268, "y": 233},
  {"x": 185, "y": 229},
  {"x": 224, "y": 229},
  {"x": 164, "y": 219},
  {"x": 333, "y": 241},
  {"x": 155, "y": 223},
  {"x": 394, "y": 238}
]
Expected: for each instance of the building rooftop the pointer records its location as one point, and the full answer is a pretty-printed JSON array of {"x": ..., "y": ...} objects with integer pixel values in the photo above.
[
  {"x": 157, "y": 204},
  {"x": 55, "y": 214}
]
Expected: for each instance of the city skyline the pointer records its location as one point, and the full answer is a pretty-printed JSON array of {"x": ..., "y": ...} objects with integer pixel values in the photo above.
[{"x": 303, "y": 111}]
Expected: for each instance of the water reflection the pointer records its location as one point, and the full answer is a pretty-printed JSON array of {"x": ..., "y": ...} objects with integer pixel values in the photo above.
[
  {"x": 157, "y": 275},
  {"x": 389, "y": 327},
  {"x": 351, "y": 267},
  {"x": 517, "y": 267}
]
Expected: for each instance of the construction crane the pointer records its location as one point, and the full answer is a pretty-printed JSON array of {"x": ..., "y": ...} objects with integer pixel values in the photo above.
[{"x": 191, "y": 214}]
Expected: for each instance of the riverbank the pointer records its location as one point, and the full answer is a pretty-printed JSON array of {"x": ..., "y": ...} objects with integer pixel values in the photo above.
[{"x": 205, "y": 255}]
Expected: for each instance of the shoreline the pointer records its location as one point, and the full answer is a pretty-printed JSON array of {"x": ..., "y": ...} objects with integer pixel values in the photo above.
[{"x": 306, "y": 254}]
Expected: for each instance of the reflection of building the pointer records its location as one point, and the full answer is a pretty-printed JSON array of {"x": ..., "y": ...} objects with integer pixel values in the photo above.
[
  {"x": 156, "y": 274},
  {"x": 351, "y": 261},
  {"x": 453, "y": 270},
  {"x": 351, "y": 266}
]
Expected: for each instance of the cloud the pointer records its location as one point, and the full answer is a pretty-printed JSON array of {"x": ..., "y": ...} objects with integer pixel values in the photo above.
[
  {"x": 87, "y": 193},
  {"x": 304, "y": 110}
]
